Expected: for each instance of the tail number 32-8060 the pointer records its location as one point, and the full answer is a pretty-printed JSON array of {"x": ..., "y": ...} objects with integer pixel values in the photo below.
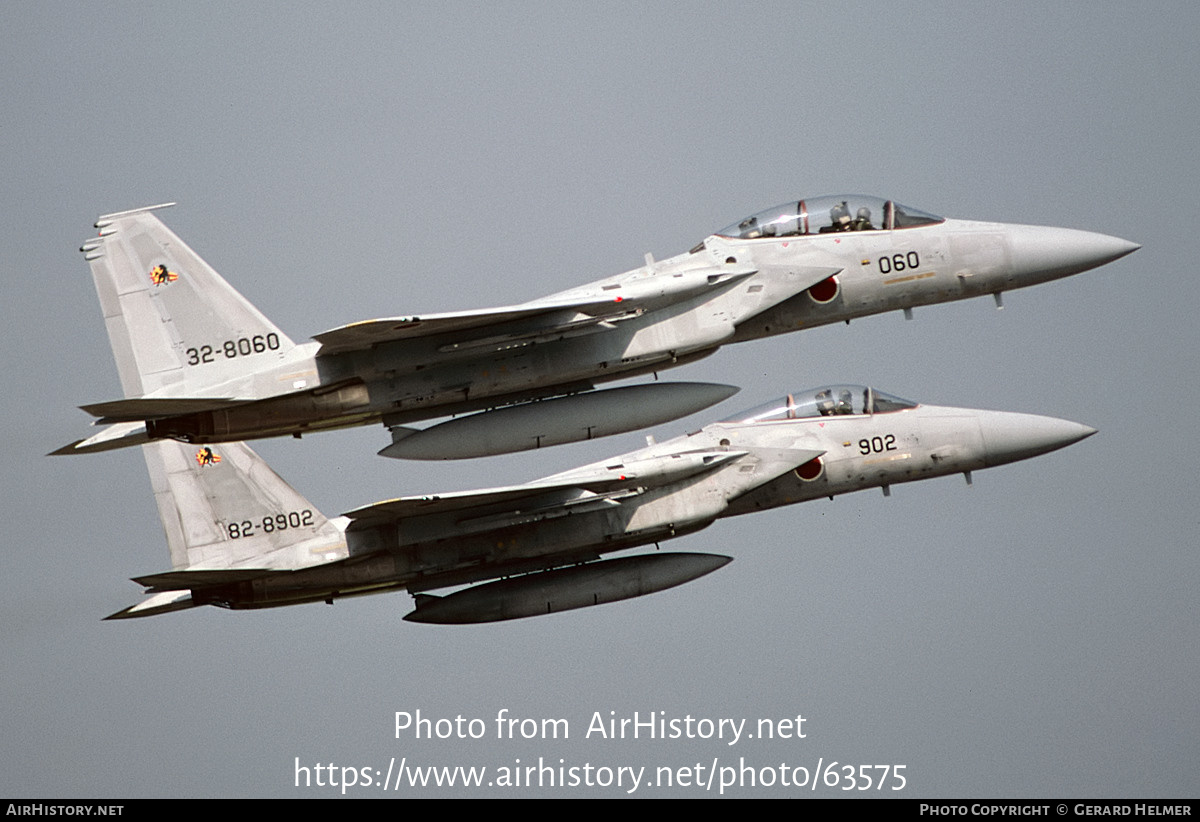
[{"x": 229, "y": 349}]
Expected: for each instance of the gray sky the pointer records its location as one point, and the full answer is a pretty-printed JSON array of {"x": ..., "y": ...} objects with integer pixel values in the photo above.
[{"x": 1035, "y": 635}]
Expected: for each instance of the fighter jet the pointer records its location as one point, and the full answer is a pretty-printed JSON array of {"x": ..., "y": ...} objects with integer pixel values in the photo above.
[
  {"x": 200, "y": 364},
  {"x": 241, "y": 538}
]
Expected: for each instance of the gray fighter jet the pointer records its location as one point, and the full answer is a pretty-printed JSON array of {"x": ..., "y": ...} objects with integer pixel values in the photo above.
[
  {"x": 199, "y": 364},
  {"x": 240, "y": 537}
]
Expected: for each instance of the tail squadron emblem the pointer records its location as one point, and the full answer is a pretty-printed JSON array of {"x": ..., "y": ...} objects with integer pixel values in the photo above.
[
  {"x": 206, "y": 457},
  {"x": 159, "y": 275}
]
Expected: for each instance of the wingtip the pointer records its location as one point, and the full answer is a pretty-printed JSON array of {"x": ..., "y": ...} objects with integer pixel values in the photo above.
[{"x": 108, "y": 218}]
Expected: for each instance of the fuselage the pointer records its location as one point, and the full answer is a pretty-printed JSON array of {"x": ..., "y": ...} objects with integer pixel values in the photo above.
[
  {"x": 909, "y": 260},
  {"x": 877, "y": 271},
  {"x": 820, "y": 443}
]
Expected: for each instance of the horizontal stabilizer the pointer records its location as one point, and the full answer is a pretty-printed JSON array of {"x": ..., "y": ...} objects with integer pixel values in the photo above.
[
  {"x": 201, "y": 578},
  {"x": 121, "y": 435},
  {"x": 142, "y": 408},
  {"x": 163, "y": 602}
]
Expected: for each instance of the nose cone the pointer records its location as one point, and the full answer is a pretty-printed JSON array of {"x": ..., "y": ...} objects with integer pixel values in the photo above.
[
  {"x": 1041, "y": 253},
  {"x": 1011, "y": 437}
]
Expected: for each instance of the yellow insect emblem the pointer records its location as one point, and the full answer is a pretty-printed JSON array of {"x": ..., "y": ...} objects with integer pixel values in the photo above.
[
  {"x": 206, "y": 457},
  {"x": 159, "y": 275}
]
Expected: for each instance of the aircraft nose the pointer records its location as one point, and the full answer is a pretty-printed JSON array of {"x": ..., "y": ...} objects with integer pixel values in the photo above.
[
  {"x": 1049, "y": 253},
  {"x": 1011, "y": 437}
]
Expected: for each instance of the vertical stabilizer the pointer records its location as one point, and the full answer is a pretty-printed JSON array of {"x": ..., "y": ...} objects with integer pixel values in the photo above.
[
  {"x": 176, "y": 327},
  {"x": 223, "y": 507}
]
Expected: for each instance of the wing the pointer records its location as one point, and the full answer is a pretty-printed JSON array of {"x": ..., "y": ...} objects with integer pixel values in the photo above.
[
  {"x": 587, "y": 310},
  {"x": 593, "y": 486},
  {"x": 513, "y": 499},
  {"x": 367, "y": 333}
]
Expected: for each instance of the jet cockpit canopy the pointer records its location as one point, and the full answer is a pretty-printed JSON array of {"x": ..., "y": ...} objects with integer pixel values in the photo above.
[
  {"x": 829, "y": 215},
  {"x": 826, "y": 401}
]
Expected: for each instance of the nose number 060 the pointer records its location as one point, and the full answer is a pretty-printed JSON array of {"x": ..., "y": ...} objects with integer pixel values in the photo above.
[{"x": 899, "y": 262}]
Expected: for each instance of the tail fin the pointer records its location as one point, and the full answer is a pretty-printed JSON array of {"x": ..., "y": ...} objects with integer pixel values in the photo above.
[
  {"x": 176, "y": 327},
  {"x": 228, "y": 518},
  {"x": 222, "y": 507}
]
